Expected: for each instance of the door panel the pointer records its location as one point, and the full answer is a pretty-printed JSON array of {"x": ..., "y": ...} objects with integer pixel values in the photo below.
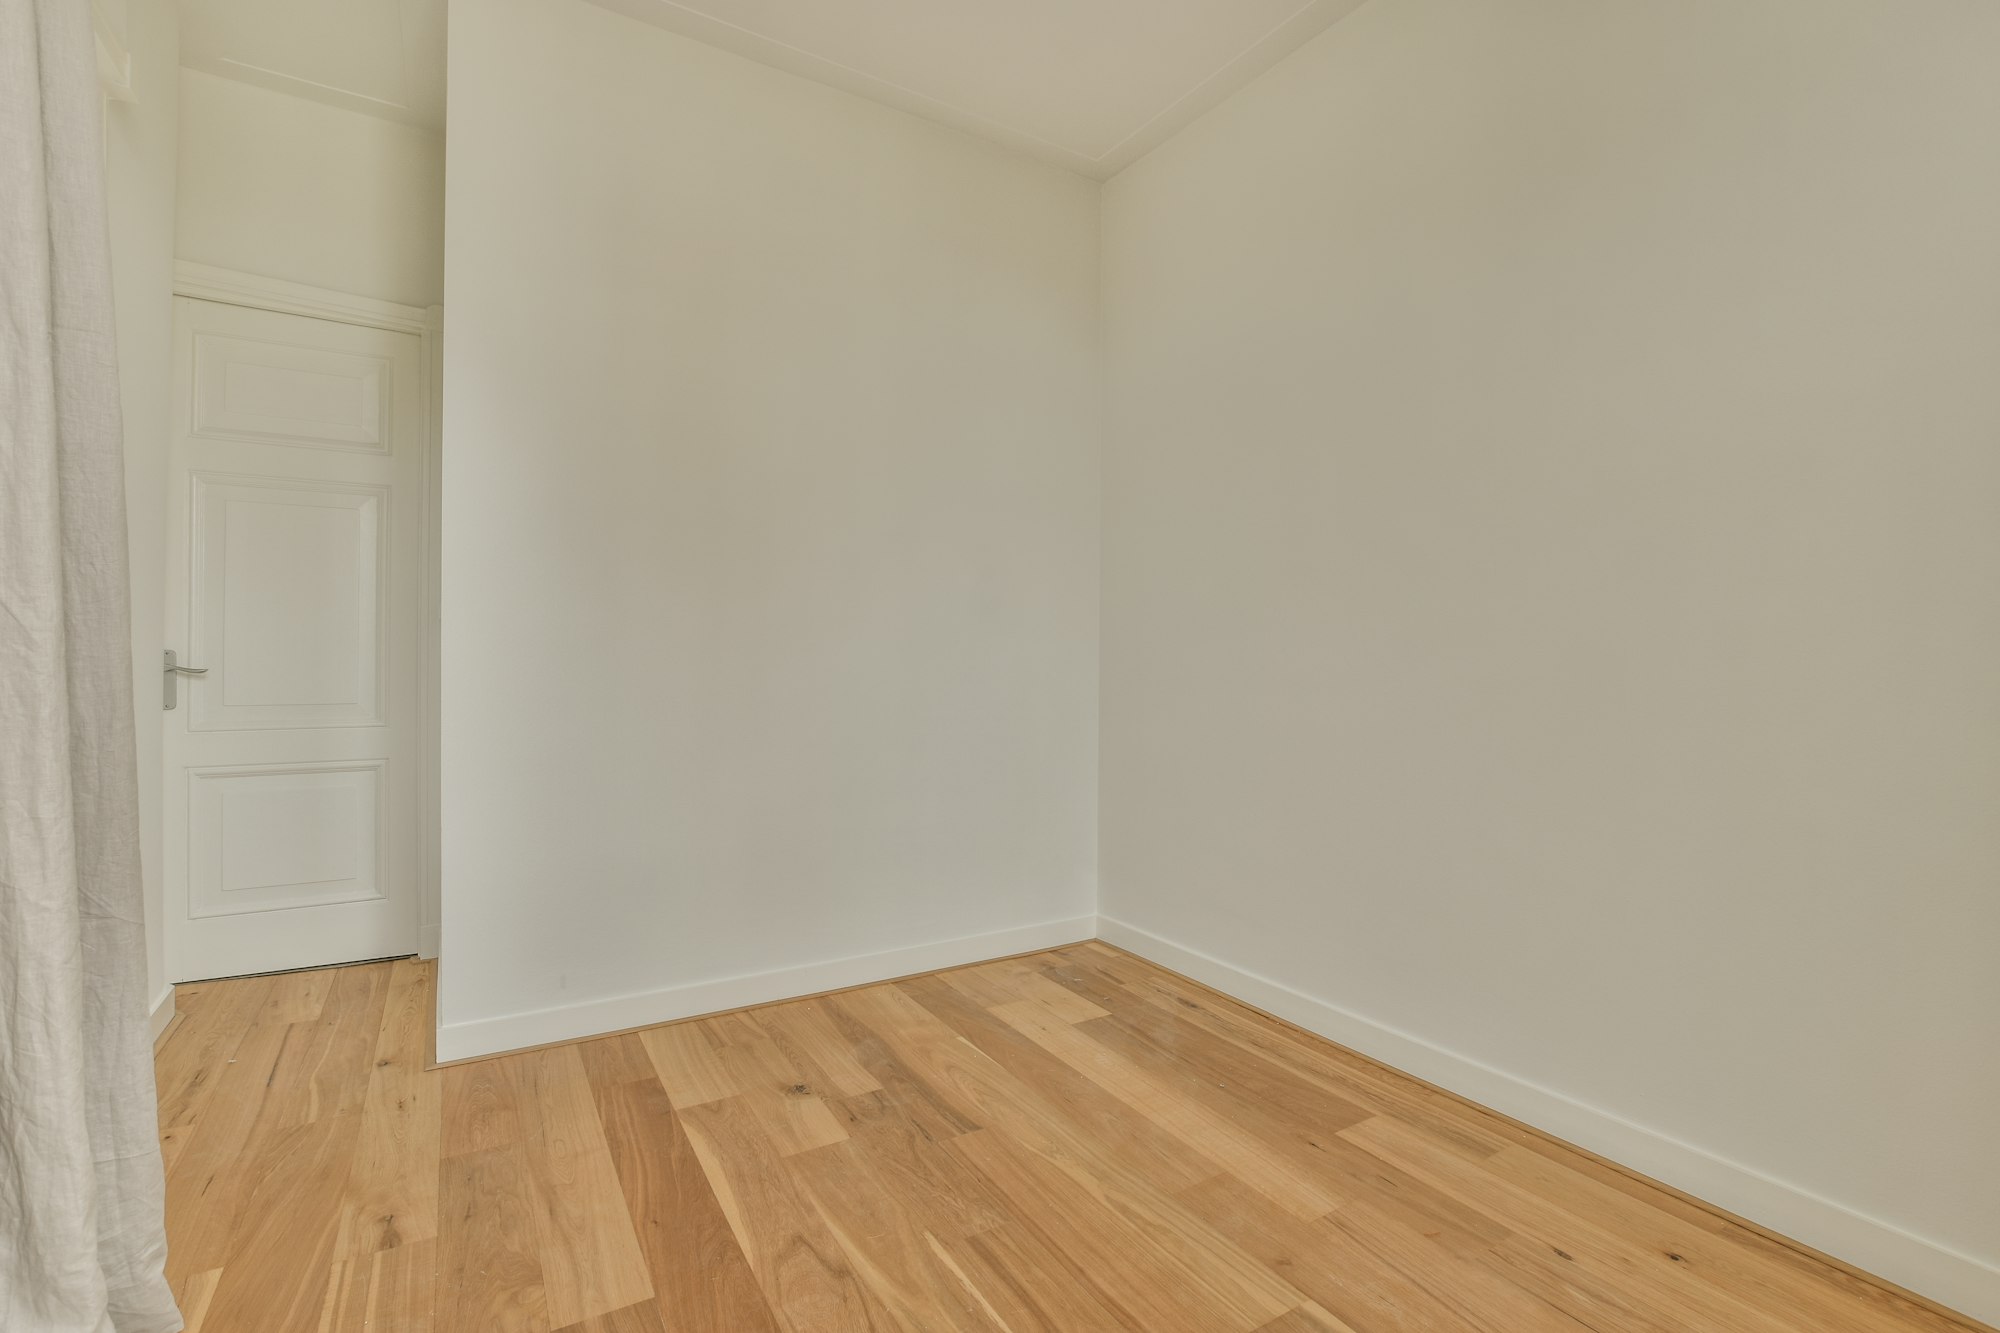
[
  {"x": 295, "y": 554},
  {"x": 285, "y": 608},
  {"x": 256, "y": 389},
  {"x": 266, "y": 839}
]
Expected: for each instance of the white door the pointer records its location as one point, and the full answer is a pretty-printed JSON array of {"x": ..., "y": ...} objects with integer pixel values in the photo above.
[{"x": 294, "y": 553}]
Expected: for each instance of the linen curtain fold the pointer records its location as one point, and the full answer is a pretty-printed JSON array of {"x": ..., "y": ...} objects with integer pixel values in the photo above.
[{"x": 82, "y": 1215}]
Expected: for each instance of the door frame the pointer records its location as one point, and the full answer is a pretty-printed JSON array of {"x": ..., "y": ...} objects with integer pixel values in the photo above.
[{"x": 205, "y": 282}]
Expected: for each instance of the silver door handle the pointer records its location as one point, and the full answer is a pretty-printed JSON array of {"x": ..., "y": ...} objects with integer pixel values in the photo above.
[{"x": 174, "y": 671}]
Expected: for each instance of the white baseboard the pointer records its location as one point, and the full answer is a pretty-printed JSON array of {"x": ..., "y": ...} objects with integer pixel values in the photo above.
[
  {"x": 509, "y": 1032},
  {"x": 427, "y": 941},
  {"x": 162, "y": 1012},
  {"x": 1950, "y": 1277}
]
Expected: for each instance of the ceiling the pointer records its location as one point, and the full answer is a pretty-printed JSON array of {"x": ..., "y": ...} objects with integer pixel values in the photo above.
[
  {"x": 1088, "y": 84},
  {"x": 382, "y": 57}
]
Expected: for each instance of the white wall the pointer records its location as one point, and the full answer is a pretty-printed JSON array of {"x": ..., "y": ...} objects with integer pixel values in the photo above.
[
  {"x": 288, "y": 188},
  {"x": 1552, "y": 583},
  {"x": 140, "y": 146},
  {"x": 769, "y": 538}
]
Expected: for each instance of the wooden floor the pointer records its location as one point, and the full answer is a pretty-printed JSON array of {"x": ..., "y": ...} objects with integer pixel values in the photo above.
[{"x": 1072, "y": 1141}]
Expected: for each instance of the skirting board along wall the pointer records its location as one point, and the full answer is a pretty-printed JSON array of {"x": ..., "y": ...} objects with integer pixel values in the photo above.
[
  {"x": 162, "y": 1012},
  {"x": 512, "y": 1032},
  {"x": 1957, "y": 1281}
]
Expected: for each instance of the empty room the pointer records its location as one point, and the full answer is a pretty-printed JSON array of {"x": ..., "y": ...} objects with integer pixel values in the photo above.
[{"x": 1000, "y": 666}]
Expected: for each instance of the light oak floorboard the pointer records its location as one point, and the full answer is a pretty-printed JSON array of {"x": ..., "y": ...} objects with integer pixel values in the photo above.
[{"x": 1067, "y": 1142}]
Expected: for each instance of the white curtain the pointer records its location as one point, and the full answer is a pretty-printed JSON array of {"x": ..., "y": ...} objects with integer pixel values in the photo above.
[{"x": 82, "y": 1211}]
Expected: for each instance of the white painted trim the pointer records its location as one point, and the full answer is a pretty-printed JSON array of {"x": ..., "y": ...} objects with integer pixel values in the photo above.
[
  {"x": 1950, "y": 1277},
  {"x": 162, "y": 1012},
  {"x": 114, "y": 59},
  {"x": 430, "y": 888},
  {"x": 589, "y": 1018},
  {"x": 205, "y": 282}
]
